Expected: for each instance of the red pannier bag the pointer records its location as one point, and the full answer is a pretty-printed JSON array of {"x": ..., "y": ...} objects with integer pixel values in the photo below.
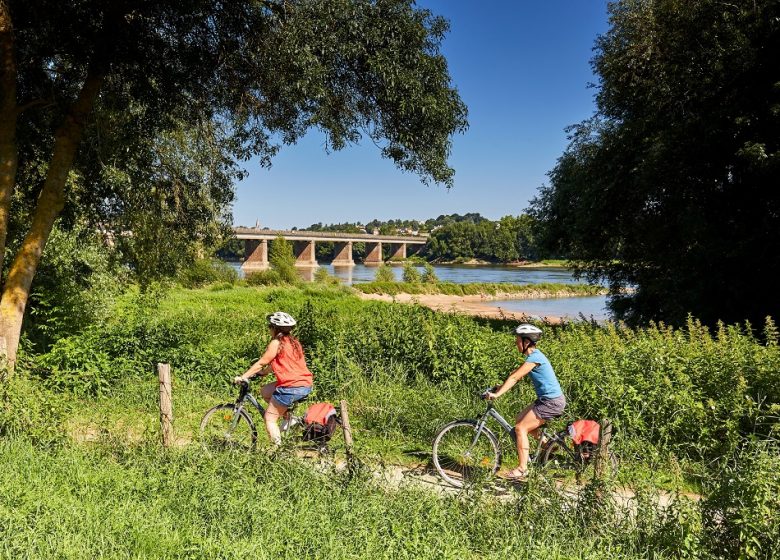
[
  {"x": 585, "y": 435},
  {"x": 585, "y": 430},
  {"x": 319, "y": 423}
]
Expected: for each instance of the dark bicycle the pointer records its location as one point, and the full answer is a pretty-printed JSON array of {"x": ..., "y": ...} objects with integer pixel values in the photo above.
[
  {"x": 230, "y": 426},
  {"x": 465, "y": 451}
]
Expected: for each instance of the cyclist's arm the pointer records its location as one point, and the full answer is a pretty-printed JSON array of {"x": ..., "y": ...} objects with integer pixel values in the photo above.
[
  {"x": 513, "y": 378},
  {"x": 261, "y": 365}
]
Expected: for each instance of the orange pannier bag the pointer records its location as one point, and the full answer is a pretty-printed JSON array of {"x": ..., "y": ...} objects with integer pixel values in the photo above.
[{"x": 585, "y": 430}]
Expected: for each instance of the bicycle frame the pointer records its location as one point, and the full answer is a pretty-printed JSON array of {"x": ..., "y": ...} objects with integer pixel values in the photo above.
[
  {"x": 244, "y": 395},
  {"x": 491, "y": 412}
]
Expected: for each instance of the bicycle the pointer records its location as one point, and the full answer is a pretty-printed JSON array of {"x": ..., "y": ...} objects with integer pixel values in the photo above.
[
  {"x": 467, "y": 450},
  {"x": 229, "y": 425}
]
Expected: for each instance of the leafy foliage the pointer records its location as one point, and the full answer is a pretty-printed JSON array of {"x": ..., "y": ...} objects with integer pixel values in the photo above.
[
  {"x": 76, "y": 285},
  {"x": 411, "y": 275},
  {"x": 741, "y": 512},
  {"x": 207, "y": 271},
  {"x": 671, "y": 187},
  {"x": 384, "y": 274},
  {"x": 507, "y": 240},
  {"x": 282, "y": 260}
]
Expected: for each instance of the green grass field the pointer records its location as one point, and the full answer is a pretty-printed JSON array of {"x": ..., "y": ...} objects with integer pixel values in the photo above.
[{"x": 82, "y": 472}]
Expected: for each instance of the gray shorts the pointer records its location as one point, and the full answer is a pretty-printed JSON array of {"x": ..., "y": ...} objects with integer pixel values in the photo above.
[{"x": 547, "y": 409}]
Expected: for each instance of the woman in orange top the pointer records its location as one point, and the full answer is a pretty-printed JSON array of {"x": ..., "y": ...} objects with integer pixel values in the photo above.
[{"x": 284, "y": 356}]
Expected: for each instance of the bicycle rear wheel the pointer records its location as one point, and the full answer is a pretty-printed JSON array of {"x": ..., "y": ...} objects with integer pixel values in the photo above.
[
  {"x": 225, "y": 427},
  {"x": 558, "y": 459},
  {"x": 462, "y": 456}
]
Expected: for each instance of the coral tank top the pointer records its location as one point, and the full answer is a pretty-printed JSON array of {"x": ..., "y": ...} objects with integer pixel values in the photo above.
[{"x": 289, "y": 366}]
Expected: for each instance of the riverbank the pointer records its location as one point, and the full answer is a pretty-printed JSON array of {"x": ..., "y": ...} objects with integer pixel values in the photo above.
[
  {"x": 493, "y": 290},
  {"x": 474, "y": 306},
  {"x": 547, "y": 263}
]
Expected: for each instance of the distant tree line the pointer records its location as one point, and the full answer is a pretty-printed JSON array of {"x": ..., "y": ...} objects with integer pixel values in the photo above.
[{"x": 452, "y": 237}]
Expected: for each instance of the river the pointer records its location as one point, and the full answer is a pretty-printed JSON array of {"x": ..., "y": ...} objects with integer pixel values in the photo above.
[{"x": 589, "y": 306}]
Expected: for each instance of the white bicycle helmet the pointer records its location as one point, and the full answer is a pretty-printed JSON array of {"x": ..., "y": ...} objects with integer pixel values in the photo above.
[
  {"x": 281, "y": 319},
  {"x": 528, "y": 331}
]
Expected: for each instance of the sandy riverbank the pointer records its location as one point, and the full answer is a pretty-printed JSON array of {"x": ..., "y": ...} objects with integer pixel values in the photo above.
[{"x": 477, "y": 306}]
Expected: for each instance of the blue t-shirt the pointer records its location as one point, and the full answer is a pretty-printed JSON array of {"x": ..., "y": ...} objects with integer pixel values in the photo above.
[{"x": 543, "y": 377}]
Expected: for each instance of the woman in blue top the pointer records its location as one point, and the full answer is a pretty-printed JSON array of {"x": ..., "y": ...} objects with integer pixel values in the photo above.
[{"x": 549, "y": 403}]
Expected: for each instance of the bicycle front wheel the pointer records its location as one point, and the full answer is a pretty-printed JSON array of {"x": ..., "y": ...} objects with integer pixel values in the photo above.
[
  {"x": 461, "y": 455},
  {"x": 225, "y": 427}
]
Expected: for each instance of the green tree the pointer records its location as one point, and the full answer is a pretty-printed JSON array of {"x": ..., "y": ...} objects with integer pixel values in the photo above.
[
  {"x": 282, "y": 259},
  {"x": 96, "y": 98},
  {"x": 671, "y": 189}
]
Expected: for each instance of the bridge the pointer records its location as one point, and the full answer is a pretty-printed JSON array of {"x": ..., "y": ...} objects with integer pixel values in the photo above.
[{"x": 256, "y": 246}]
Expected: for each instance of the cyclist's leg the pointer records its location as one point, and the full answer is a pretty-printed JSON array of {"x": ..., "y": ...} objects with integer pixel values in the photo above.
[
  {"x": 527, "y": 422},
  {"x": 272, "y": 414},
  {"x": 267, "y": 391}
]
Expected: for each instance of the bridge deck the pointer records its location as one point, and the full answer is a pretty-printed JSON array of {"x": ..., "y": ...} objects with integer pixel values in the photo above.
[{"x": 301, "y": 235}]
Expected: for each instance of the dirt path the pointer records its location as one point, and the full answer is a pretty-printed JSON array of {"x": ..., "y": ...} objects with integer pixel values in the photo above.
[{"x": 393, "y": 477}]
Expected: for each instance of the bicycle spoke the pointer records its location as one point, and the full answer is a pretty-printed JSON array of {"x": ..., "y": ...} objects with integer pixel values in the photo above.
[
  {"x": 463, "y": 455},
  {"x": 225, "y": 427}
]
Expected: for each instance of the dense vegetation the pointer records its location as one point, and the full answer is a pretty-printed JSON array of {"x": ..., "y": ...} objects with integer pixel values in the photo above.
[
  {"x": 694, "y": 409},
  {"x": 672, "y": 186}
]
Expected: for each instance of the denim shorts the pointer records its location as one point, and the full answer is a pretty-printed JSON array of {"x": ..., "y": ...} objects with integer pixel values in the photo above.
[{"x": 285, "y": 396}]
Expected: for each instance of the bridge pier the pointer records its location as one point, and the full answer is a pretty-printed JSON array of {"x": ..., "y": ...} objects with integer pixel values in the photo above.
[
  {"x": 373, "y": 254},
  {"x": 255, "y": 255},
  {"x": 343, "y": 255},
  {"x": 399, "y": 253},
  {"x": 305, "y": 255}
]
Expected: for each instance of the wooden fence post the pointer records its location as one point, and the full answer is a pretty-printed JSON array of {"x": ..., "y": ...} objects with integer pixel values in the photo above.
[
  {"x": 602, "y": 460},
  {"x": 347, "y": 430},
  {"x": 166, "y": 404}
]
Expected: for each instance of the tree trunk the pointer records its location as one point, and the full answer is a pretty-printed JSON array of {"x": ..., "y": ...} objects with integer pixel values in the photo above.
[
  {"x": 16, "y": 290},
  {"x": 8, "y": 114}
]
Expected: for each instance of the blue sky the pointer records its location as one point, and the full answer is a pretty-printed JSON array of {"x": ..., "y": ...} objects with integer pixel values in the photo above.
[{"x": 521, "y": 67}]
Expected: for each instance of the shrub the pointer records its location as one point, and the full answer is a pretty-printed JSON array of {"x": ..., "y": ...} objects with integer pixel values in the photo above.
[
  {"x": 429, "y": 275},
  {"x": 207, "y": 271},
  {"x": 321, "y": 276},
  {"x": 384, "y": 274},
  {"x": 411, "y": 274},
  {"x": 263, "y": 278},
  {"x": 27, "y": 410},
  {"x": 741, "y": 512}
]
